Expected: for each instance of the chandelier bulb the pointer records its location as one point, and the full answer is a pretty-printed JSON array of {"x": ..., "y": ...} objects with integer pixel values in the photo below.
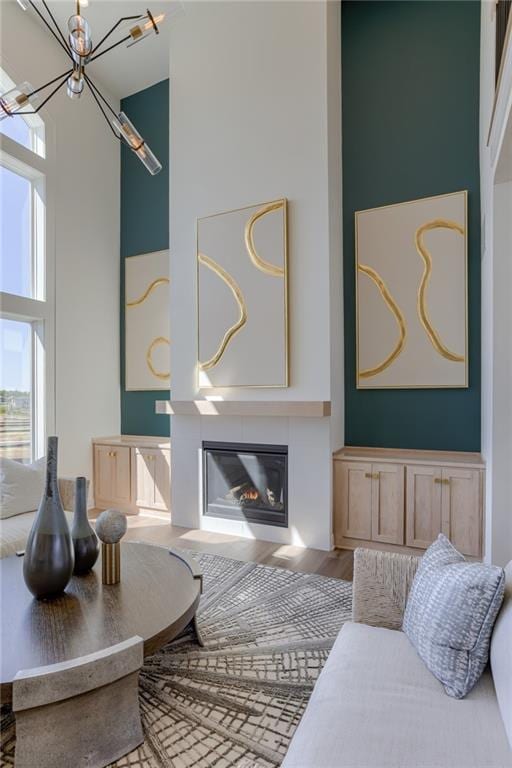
[
  {"x": 147, "y": 25},
  {"x": 16, "y": 100},
  {"x": 80, "y": 38},
  {"x": 126, "y": 130}
]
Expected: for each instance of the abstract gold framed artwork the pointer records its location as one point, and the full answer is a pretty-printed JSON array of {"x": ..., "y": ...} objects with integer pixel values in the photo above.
[
  {"x": 147, "y": 351},
  {"x": 242, "y": 290},
  {"x": 411, "y": 294}
]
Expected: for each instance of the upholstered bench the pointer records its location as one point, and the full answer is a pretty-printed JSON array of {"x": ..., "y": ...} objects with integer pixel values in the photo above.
[{"x": 376, "y": 705}]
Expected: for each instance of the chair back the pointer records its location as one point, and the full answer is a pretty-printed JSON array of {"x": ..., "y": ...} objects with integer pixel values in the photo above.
[{"x": 82, "y": 712}]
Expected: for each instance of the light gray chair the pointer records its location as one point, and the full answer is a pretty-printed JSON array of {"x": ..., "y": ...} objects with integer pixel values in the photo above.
[{"x": 82, "y": 713}]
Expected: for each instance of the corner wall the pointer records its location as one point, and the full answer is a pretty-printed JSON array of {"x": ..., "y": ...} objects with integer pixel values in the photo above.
[
  {"x": 86, "y": 247},
  {"x": 410, "y": 130},
  {"x": 144, "y": 229}
]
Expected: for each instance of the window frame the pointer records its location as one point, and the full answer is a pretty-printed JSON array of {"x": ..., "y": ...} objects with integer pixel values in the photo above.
[{"x": 39, "y": 169}]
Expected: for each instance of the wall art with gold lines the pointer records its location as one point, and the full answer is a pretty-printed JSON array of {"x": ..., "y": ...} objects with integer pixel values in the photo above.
[
  {"x": 146, "y": 312},
  {"x": 411, "y": 294},
  {"x": 242, "y": 288}
]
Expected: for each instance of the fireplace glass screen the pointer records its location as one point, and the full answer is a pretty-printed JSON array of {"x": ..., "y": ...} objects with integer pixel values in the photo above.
[{"x": 246, "y": 482}]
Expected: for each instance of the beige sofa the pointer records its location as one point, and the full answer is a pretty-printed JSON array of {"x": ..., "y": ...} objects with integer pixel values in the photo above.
[
  {"x": 376, "y": 705},
  {"x": 14, "y": 530}
]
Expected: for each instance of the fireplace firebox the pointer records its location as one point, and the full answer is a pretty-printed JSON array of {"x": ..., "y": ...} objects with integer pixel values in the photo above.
[{"x": 247, "y": 482}]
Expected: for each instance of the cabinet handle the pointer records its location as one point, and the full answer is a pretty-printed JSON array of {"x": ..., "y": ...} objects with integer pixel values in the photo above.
[
  {"x": 112, "y": 453},
  {"x": 442, "y": 480},
  {"x": 372, "y": 475}
]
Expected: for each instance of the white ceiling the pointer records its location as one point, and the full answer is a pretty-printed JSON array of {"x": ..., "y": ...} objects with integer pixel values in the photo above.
[{"x": 124, "y": 70}]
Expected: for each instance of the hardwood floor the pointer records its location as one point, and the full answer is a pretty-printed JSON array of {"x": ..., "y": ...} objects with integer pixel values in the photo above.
[{"x": 155, "y": 528}]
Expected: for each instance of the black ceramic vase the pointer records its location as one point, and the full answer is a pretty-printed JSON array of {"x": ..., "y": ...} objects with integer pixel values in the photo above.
[
  {"x": 49, "y": 558},
  {"x": 85, "y": 541}
]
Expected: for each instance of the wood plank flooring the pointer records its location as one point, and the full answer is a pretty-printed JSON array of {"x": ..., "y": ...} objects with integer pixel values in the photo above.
[{"x": 156, "y": 528}]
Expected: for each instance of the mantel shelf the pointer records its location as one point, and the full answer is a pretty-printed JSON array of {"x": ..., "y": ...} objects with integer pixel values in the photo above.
[{"x": 317, "y": 409}]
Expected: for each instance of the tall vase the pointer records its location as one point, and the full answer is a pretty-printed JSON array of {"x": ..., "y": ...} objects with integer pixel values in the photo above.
[
  {"x": 85, "y": 541},
  {"x": 49, "y": 557}
]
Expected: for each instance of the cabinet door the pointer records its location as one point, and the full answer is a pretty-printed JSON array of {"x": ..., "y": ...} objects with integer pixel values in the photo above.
[
  {"x": 461, "y": 506},
  {"x": 423, "y": 505},
  {"x": 151, "y": 478},
  {"x": 388, "y": 503},
  {"x": 112, "y": 476},
  {"x": 354, "y": 494}
]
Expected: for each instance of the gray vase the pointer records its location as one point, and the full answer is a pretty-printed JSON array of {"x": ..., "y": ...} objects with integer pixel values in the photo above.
[
  {"x": 49, "y": 557},
  {"x": 85, "y": 541}
]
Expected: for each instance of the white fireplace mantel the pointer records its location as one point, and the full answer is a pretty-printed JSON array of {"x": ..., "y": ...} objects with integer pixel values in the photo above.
[{"x": 315, "y": 409}]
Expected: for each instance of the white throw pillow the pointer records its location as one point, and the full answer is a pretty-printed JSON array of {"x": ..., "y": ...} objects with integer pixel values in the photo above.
[{"x": 21, "y": 486}]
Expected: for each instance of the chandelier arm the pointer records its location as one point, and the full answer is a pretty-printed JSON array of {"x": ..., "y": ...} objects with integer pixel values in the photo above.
[
  {"x": 95, "y": 88},
  {"x": 128, "y": 37},
  {"x": 35, "y": 111},
  {"x": 52, "y": 17},
  {"x": 51, "y": 82},
  {"x": 101, "y": 109},
  {"x": 124, "y": 18},
  {"x": 64, "y": 47}
]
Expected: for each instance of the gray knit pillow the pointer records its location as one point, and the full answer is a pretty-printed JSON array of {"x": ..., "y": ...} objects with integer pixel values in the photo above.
[{"x": 450, "y": 614}]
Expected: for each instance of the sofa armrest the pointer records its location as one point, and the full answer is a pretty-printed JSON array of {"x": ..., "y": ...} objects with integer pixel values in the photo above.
[{"x": 382, "y": 581}]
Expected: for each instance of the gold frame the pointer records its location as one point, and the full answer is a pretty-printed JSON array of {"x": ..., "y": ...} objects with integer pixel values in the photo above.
[
  {"x": 286, "y": 383},
  {"x": 466, "y": 288}
]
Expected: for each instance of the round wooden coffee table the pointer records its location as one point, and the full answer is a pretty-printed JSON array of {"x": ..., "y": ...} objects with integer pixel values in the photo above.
[{"x": 156, "y": 599}]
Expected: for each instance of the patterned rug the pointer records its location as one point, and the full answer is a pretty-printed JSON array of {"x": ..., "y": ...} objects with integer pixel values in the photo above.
[{"x": 236, "y": 702}]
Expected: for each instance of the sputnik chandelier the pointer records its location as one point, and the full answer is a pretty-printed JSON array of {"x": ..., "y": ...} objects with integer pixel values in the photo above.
[{"x": 22, "y": 100}]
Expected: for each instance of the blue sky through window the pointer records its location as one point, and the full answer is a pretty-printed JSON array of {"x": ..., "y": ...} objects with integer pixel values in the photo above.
[
  {"x": 15, "y": 341},
  {"x": 15, "y": 236}
]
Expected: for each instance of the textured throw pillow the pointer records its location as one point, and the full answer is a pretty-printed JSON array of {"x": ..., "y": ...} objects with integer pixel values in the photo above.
[
  {"x": 450, "y": 614},
  {"x": 21, "y": 486}
]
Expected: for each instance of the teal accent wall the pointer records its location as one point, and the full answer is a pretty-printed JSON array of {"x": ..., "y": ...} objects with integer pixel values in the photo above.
[
  {"x": 144, "y": 228},
  {"x": 410, "y": 129}
]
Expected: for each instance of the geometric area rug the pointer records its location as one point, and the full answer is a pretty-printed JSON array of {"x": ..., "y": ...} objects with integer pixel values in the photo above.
[{"x": 236, "y": 702}]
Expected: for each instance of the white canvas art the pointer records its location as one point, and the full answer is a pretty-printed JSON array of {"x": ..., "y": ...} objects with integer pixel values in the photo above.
[
  {"x": 411, "y": 290},
  {"x": 242, "y": 297},
  {"x": 147, "y": 352}
]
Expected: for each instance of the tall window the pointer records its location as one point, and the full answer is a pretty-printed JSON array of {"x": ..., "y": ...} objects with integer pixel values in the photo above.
[{"x": 26, "y": 288}]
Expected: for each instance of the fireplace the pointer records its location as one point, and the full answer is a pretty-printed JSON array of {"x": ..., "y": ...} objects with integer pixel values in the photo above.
[{"x": 246, "y": 482}]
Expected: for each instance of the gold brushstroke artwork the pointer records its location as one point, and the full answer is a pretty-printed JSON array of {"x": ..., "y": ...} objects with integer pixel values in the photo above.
[
  {"x": 151, "y": 287},
  {"x": 259, "y": 263},
  {"x": 149, "y": 357},
  {"x": 422, "y": 300},
  {"x": 237, "y": 293},
  {"x": 395, "y": 309},
  {"x": 426, "y": 296},
  {"x": 147, "y": 321},
  {"x": 246, "y": 249}
]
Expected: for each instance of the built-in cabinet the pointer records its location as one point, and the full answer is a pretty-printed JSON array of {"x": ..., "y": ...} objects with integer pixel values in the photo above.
[
  {"x": 132, "y": 473},
  {"x": 403, "y": 499}
]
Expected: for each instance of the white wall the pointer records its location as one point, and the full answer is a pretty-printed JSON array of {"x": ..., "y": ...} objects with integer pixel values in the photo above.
[
  {"x": 256, "y": 115},
  {"x": 249, "y": 123},
  {"x": 86, "y": 245},
  {"x": 496, "y": 206}
]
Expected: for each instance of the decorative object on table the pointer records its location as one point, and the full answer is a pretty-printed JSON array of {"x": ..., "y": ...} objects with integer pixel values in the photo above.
[
  {"x": 243, "y": 297},
  {"x": 111, "y": 527},
  {"x": 147, "y": 350},
  {"x": 78, "y": 46},
  {"x": 411, "y": 294},
  {"x": 85, "y": 541},
  {"x": 49, "y": 556},
  {"x": 450, "y": 614}
]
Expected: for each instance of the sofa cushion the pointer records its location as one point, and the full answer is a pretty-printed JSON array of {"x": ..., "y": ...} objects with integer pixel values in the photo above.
[
  {"x": 376, "y": 705},
  {"x": 21, "y": 486},
  {"x": 450, "y": 613},
  {"x": 501, "y": 655}
]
